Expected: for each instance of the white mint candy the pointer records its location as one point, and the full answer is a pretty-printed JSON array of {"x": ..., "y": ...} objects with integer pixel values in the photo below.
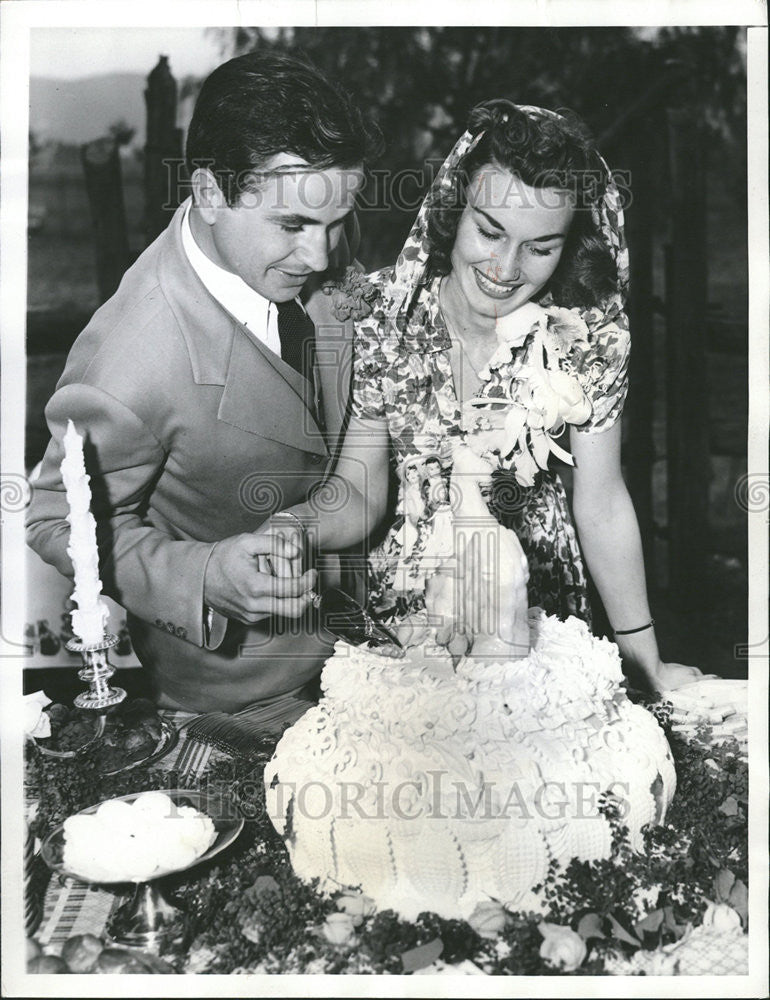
[
  {"x": 135, "y": 842},
  {"x": 115, "y": 814},
  {"x": 175, "y": 853},
  {"x": 156, "y": 804}
]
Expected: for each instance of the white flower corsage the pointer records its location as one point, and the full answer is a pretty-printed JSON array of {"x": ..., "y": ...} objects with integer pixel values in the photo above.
[{"x": 520, "y": 433}]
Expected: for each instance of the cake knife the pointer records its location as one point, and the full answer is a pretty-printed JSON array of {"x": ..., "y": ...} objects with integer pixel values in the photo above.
[{"x": 345, "y": 618}]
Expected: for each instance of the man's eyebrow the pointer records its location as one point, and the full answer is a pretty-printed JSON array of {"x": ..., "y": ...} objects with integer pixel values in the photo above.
[
  {"x": 294, "y": 219},
  {"x": 535, "y": 239}
]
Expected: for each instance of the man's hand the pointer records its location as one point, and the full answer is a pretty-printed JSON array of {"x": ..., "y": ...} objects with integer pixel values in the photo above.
[
  {"x": 235, "y": 587},
  {"x": 283, "y": 526}
]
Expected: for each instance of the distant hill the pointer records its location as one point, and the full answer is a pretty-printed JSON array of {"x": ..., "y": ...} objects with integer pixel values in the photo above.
[{"x": 76, "y": 111}]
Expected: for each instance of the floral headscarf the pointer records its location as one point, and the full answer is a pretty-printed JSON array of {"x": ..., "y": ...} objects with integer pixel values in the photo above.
[
  {"x": 412, "y": 264},
  {"x": 558, "y": 381}
]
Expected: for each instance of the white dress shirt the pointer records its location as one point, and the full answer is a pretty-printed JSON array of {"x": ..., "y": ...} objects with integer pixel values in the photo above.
[{"x": 258, "y": 314}]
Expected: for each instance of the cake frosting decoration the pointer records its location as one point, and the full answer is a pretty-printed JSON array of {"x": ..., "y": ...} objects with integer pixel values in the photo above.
[{"x": 437, "y": 789}]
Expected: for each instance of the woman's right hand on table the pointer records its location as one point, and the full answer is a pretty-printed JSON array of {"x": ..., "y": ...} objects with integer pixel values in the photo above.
[{"x": 669, "y": 676}]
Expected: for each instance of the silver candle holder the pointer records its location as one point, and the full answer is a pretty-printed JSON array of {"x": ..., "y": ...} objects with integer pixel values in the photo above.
[{"x": 96, "y": 671}]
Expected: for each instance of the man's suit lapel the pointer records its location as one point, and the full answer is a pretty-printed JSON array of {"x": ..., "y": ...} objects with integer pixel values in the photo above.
[
  {"x": 261, "y": 394},
  {"x": 265, "y": 396}
]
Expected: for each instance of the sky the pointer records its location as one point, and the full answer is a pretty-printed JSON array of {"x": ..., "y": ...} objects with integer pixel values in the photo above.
[{"x": 69, "y": 53}]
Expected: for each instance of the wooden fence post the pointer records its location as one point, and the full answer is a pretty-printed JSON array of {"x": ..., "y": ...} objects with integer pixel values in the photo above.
[
  {"x": 687, "y": 420},
  {"x": 104, "y": 186},
  {"x": 163, "y": 150}
]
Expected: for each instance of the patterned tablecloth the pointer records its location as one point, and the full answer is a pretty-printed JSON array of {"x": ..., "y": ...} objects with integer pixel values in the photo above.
[{"x": 73, "y": 907}]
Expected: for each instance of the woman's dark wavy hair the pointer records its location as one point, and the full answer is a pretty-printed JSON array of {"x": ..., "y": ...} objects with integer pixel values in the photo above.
[
  {"x": 543, "y": 152},
  {"x": 256, "y": 106}
]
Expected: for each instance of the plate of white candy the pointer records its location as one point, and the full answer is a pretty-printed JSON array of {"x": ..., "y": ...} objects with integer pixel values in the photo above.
[{"x": 138, "y": 837}]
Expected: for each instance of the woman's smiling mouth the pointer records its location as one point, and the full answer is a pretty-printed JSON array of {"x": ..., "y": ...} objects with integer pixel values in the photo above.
[{"x": 495, "y": 289}]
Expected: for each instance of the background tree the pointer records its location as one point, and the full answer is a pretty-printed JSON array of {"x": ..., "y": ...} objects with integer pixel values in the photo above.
[
  {"x": 121, "y": 133},
  {"x": 420, "y": 83}
]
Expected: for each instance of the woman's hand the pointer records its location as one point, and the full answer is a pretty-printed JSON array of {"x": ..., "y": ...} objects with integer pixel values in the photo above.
[
  {"x": 660, "y": 676},
  {"x": 669, "y": 676}
]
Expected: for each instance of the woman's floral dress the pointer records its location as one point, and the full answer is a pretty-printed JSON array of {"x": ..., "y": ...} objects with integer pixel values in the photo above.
[{"x": 404, "y": 376}]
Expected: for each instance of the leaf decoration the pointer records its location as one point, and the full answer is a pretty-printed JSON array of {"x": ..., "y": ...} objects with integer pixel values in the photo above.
[
  {"x": 739, "y": 900},
  {"x": 730, "y": 806},
  {"x": 619, "y": 932},
  {"x": 590, "y": 926},
  {"x": 671, "y": 924},
  {"x": 723, "y": 883},
  {"x": 422, "y": 956},
  {"x": 650, "y": 924}
]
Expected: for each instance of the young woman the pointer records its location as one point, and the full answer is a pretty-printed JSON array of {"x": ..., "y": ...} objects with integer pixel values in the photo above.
[{"x": 503, "y": 324}]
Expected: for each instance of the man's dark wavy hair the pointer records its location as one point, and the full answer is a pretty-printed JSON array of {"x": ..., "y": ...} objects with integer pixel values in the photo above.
[
  {"x": 543, "y": 152},
  {"x": 256, "y": 106}
]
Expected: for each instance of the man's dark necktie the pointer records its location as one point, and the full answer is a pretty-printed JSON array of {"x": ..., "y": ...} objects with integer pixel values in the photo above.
[{"x": 296, "y": 332}]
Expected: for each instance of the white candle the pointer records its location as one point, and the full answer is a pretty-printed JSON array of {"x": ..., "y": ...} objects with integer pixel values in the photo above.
[{"x": 90, "y": 620}]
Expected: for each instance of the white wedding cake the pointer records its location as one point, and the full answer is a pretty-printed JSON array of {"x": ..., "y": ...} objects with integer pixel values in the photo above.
[{"x": 435, "y": 788}]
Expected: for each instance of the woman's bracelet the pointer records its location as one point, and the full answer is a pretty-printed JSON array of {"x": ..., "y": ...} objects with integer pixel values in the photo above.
[{"x": 630, "y": 631}]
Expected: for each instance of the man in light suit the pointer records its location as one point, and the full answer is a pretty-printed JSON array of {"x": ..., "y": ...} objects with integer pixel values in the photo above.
[{"x": 209, "y": 400}]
